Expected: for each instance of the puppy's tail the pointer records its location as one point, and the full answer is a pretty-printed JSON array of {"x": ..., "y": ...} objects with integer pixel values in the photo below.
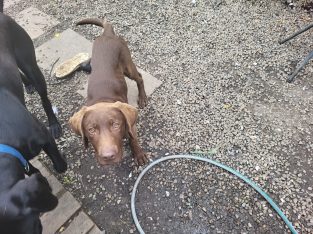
[{"x": 108, "y": 29}]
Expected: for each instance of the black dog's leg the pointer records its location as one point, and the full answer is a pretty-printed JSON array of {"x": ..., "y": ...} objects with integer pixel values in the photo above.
[
  {"x": 26, "y": 61},
  {"x": 58, "y": 160},
  {"x": 85, "y": 66},
  {"x": 302, "y": 64},
  {"x": 30, "y": 89},
  {"x": 35, "y": 76}
]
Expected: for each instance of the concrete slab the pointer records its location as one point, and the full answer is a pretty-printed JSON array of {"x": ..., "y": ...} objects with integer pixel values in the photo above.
[
  {"x": 53, "y": 220},
  {"x": 35, "y": 22},
  {"x": 151, "y": 83},
  {"x": 61, "y": 47},
  {"x": 80, "y": 225},
  {"x": 9, "y": 3}
]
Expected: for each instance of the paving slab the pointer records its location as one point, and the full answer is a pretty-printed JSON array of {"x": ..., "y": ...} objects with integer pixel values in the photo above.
[
  {"x": 62, "y": 47},
  {"x": 9, "y": 3},
  {"x": 151, "y": 84},
  {"x": 35, "y": 22},
  {"x": 54, "y": 219},
  {"x": 80, "y": 225}
]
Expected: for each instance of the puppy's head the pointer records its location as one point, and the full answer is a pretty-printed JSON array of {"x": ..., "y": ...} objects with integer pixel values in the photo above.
[{"x": 104, "y": 125}]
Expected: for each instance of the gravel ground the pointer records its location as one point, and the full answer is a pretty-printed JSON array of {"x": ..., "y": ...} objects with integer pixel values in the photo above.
[{"x": 223, "y": 95}]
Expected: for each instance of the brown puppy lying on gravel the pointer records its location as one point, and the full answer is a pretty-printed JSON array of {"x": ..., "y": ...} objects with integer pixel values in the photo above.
[{"x": 107, "y": 118}]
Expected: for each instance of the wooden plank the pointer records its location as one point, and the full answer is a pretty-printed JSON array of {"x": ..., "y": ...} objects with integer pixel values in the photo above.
[
  {"x": 53, "y": 220},
  {"x": 80, "y": 225}
]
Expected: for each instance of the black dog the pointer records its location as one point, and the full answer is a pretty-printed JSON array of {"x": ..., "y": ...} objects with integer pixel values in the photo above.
[
  {"x": 22, "y": 136},
  {"x": 22, "y": 200},
  {"x": 18, "y": 62}
]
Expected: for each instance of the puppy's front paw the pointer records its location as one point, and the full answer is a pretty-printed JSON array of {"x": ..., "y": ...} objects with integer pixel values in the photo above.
[
  {"x": 55, "y": 130},
  {"x": 141, "y": 158}
]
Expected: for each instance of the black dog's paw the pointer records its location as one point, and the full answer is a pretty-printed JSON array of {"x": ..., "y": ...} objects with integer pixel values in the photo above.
[
  {"x": 86, "y": 67},
  {"x": 55, "y": 130},
  {"x": 40, "y": 193},
  {"x": 61, "y": 165},
  {"x": 30, "y": 89}
]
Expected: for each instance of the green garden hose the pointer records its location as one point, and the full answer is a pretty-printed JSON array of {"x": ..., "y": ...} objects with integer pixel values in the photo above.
[{"x": 236, "y": 173}]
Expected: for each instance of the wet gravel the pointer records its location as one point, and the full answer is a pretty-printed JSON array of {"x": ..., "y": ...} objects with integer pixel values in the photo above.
[{"x": 223, "y": 95}]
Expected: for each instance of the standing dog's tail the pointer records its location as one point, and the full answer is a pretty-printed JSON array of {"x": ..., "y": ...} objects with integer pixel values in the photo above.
[
  {"x": 108, "y": 29},
  {"x": 1, "y": 6}
]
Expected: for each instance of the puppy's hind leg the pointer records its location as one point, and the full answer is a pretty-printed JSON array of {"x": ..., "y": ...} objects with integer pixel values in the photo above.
[{"x": 132, "y": 73}]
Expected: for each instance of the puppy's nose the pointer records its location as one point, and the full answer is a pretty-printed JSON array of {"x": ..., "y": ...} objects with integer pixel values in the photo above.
[{"x": 108, "y": 153}]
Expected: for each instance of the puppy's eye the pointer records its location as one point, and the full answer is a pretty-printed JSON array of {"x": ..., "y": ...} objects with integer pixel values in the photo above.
[
  {"x": 116, "y": 125},
  {"x": 92, "y": 130}
]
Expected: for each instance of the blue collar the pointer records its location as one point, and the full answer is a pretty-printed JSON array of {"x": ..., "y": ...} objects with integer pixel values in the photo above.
[{"x": 10, "y": 150}]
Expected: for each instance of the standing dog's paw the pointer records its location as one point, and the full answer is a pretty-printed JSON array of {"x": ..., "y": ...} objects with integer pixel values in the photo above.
[{"x": 55, "y": 130}]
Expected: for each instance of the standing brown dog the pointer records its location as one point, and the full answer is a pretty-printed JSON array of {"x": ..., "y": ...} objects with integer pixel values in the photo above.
[{"x": 107, "y": 118}]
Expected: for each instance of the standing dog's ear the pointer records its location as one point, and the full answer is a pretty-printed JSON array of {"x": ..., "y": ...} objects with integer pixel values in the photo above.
[
  {"x": 32, "y": 195},
  {"x": 76, "y": 124},
  {"x": 131, "y": 114}
]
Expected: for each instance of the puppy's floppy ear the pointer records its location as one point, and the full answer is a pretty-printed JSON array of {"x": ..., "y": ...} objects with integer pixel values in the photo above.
[
  {"x": 76, "y": 124},
  {"x": 131, "y": 115},
  {"x": 29, "y": 196}
]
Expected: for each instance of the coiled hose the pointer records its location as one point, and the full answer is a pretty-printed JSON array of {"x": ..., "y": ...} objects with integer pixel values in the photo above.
[{"x": 236, "y": 173}]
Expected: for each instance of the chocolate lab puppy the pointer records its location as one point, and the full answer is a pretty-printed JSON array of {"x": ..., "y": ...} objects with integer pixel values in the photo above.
[
  {"x": 18, "y": 63},
  {"x": 107, "y": 117}
]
